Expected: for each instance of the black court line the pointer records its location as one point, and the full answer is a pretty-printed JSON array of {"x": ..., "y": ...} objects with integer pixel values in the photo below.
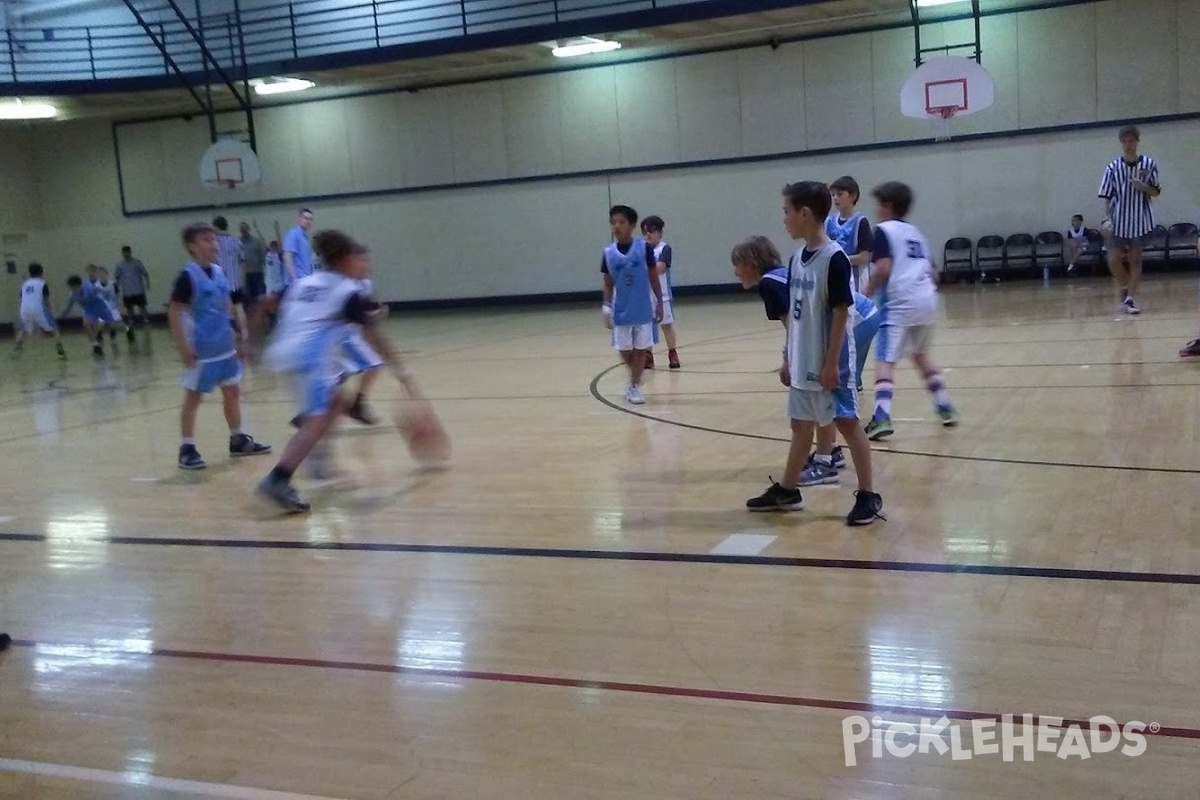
[
  {"x": 995, "y": 570},
  {"x": 595, "y": 390}
]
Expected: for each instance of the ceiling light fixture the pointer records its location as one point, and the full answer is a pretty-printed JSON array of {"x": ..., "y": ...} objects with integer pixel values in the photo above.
[
  {"x": 584, "y": 46},
  {"x": 18, "y": 109},
  {"x": 267, "y": 86}
]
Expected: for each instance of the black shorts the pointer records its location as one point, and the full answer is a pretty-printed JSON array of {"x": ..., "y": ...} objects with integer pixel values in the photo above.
[
  {"x": 238, "y": 297},
  {"x": 133, "y": 301}
]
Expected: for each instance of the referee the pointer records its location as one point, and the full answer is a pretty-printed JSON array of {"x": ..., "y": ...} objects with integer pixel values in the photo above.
[{"x": 1128, "y": 184}]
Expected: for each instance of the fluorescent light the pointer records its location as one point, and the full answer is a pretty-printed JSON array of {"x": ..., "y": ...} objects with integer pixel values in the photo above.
[
  {"x": 21, "y": 110},
  {"x": 931, "y": 3},
  {"x": 281, "y": 85},
  {"x": 585, "y": 46}
]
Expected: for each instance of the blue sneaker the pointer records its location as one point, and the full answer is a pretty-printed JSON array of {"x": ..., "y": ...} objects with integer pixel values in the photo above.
[
  {"x": 817, "y": 474},
  {"x": 189, "y": 457},
  {"x": 839, "y": 457}
]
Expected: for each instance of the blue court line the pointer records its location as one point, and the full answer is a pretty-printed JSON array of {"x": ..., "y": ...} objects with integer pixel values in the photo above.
[{"x": 995, "y": 570}]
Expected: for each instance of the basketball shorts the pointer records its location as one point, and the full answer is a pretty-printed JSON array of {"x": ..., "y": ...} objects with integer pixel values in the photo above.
[
  {"x": 822, "y": 406},
  {"x": 668, "y": 313},
  {"x": 133, "y": 301},
  {"x": 208, "y": 375},
  {"x": 105, "y": 317},
  {"x": 33, "y": 319},
  {"x": 898, "y": 342},
  {"x": 633, "y": 337},
  {"x": 316, "y": 389},
  {"x": 359, "y": 356}
]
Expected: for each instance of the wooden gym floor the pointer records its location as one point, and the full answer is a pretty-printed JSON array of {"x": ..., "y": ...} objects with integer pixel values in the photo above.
[{"x": 548, "y": 619}]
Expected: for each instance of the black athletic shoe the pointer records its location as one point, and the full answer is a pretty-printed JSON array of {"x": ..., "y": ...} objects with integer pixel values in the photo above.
[
  {"x": 1191, "y": 349},
  {"x": 243, "y": 445},
  {"x": 867, "y": 506},
  {"x": 189, "y": 457},
  {"x": 361, "y": 413},
  {"x": 282, "y": 494},
  {"x": 776, "y": 498}
]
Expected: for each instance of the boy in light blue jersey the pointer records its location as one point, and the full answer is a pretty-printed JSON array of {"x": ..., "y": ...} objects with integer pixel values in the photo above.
[
  {"x": 95, "y": 310},
  {"x": 819, "y": 358},
  {"x": 849, "y": 228},
  {"x": 632, "y": 296},
  {"x": 201, "y": 320}
]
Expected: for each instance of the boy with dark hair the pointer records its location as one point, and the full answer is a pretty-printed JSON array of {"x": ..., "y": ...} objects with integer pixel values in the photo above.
[
  {"x": 35, "y": 311},
  {"x": 93, "y": 307},
  {"x": 819, "y": 355},
  {"x": 652, "y": 229},
  {"x": 904, "y": 267},
  {"x": 632, "y": 296},
  {"x": 848, "y": 227},
  {"x": 201, "y": 320}
]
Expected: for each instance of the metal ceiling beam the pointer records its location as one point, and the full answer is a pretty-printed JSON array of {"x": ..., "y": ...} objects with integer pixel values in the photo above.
[{"x": 976, "y": 46}]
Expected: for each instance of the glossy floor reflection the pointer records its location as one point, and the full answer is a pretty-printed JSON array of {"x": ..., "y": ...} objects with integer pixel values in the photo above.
[{"x": 545, "y": 620}]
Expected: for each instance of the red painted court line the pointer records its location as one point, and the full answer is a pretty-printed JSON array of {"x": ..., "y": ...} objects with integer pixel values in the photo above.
[{"x": 618, "y": 686}]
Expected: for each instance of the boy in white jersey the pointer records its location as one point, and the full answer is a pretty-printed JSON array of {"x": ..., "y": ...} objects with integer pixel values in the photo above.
[
  {"x": 318, "y": 314},
  {"x": 756, "y": 263},
  {"x": 904, "y": 275},
  {"x": 1076, "y": 238},
  {"x": 652, "y": 229},
  {"x": 632, "y": 296},
  {"x": 35, "y": 311},
  {"x": 819, "y": 354}
]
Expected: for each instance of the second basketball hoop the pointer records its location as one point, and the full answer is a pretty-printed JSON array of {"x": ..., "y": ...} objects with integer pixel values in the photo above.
[{"x": 944, "y": 88}]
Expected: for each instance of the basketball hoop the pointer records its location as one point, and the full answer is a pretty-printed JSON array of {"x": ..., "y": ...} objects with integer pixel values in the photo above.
[
  {"x": 944, "y": 88},
  {"x": 939, "y": 122}
]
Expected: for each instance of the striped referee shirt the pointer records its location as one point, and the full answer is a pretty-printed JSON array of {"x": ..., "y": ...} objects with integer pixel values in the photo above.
[
  {"x": 229, "y": 256},
  {"x": 1128, "y": 208}
]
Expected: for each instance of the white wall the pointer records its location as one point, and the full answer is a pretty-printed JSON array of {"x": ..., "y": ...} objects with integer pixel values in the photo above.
[{"x": 545, "y": 235}]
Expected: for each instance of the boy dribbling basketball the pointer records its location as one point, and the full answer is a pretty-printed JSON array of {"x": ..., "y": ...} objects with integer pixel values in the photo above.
[
  {"x": 318, "y": 315},
  {"x": 632, "y": 296},
  {"x": 817, "y": 369},
  {"x": 904, "y": 270}
]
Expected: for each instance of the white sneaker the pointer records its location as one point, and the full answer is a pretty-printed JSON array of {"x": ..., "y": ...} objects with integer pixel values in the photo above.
[
  {"x": 634, "y": 396},
  {"x": 1130, "y": 306}
]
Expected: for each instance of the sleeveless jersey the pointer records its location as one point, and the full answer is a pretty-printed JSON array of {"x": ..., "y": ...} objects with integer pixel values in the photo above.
[
  {"x": 91, "y": 301},
  {"x": 844, "y": 233},
  {"x": 664, "y": 280},
  {"x": 909, "y": 297},
  {"x": 312, "y": 325},
  {"x": 811, "y": 320},
  {"x": 1077, "y": 234},
  {"x": 631, "y": 284},
  {"x": 33, "y": 295},
  {"x": 207, "y": 323},
  {"x": 109, "y": 292}
]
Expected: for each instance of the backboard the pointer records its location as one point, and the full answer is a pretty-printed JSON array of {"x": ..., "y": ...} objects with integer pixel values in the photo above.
[
  {"x": 947, "y": 87},
  {"x": 230, "y": 163}
]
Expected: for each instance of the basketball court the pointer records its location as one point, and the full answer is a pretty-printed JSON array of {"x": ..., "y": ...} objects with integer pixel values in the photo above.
[{"x": 580, "y": 606}]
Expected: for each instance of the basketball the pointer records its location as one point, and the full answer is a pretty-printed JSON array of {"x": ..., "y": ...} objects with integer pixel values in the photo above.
[{"x": 423, "y": 431}]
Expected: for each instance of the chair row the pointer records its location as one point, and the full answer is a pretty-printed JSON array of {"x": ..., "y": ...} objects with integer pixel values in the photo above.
[{"x": 1022, "y": 253}]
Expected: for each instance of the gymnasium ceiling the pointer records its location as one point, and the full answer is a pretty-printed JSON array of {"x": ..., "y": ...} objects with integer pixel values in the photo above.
[{"x": 836, "y": 16}]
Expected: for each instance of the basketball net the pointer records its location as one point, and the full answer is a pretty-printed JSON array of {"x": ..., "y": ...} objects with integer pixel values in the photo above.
[{"x": 939, "y": 122}]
